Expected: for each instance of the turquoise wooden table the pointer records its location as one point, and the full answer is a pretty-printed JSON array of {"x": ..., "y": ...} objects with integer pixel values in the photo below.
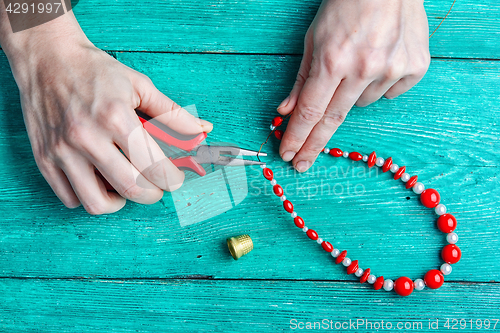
[{"x": 139, "y": 270}]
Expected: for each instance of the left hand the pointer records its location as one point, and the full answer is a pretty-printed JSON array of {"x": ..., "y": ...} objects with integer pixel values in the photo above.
[{"x": 355, "y": 52}]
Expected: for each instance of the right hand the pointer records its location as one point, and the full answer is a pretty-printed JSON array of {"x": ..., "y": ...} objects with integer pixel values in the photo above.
[
  {"x": 78, "y": 105},
  {"x": 356, "y": 51}
]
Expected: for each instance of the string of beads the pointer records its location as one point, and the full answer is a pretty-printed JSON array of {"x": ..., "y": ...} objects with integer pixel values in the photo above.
[{"x": 430, "y": 198}]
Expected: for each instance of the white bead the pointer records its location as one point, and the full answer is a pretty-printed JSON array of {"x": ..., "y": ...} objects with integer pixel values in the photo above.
[
  {"x": 294, "y": 214},
  {"x": 365, "y": 158},
  {"x": 274, "y": 182},
  {"x": 283, "y": 197},
  {"x": 335, "y": 253},
  {"x": 419, "y": 284},
  {"x": 359, "y": 272},
  {"x": 440, "y": 209},
  {"x": 388, "y": 285},
  {"x": 326, "y": 151},
  {"x": 371, "y": 279},
  {"x": 405, "y": 177},
  {"x": 394, "y": 168},
  {"x": 272, "y": 127},
  {"x": 320, "y": 240},
  {"x": 445, "y": 269},
  {"x": 346, "y": 154},
  {"x": 452, "y": 238},
  {"x": 305, "y": 229},
  {"x": 346, "y": 262},
  {"x": 263, "y": 166},
  {"x": 418, "y": 188},
  {"x": 380, "y": 161}
]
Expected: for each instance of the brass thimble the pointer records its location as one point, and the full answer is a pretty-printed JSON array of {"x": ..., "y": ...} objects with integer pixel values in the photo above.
[{"x": 239, "y": 245}]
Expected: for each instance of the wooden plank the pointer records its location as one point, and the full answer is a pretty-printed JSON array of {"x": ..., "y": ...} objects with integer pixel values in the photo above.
[
  {"x": 445, "y": 130},
  {"x": 235, "y": 306},
  {"x": 264, "y": 26}
]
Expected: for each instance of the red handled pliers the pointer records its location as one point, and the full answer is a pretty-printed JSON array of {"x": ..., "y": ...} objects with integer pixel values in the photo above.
[{"x": 220, "y": 155}]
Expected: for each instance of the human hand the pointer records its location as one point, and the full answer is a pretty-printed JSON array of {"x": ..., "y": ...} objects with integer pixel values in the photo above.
[
  {"x": 355, "y": 52},
  {"x": 78, "y": 105}
]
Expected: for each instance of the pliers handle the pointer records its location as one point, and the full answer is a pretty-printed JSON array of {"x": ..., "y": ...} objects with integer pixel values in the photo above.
[
  {"x": 189, "y": 163},
  {"x": 169, "y": 136},
  {"x": 203, "y": 154}
]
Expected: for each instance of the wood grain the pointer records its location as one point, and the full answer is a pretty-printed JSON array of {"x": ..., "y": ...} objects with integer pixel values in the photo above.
[
  {"x": 444, "y": 130},
  {"x": 231, "y": 306},
  {"x": 264, "y": 26},
  {"x": 139, "y": 270}
]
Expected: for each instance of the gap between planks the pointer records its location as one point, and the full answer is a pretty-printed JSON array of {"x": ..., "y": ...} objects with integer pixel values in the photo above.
[
  {"x": 270, "y": 54},
  {"x": 209, "y": 278}
]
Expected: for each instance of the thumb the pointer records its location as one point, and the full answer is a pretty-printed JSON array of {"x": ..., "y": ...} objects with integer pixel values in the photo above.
[
  {"x": 289, "y": 103},
  {"x": 156, "y": 105}
]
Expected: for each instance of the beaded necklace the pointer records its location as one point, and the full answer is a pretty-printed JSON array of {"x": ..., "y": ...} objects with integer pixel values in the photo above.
[{"x": 430, "y": 198}]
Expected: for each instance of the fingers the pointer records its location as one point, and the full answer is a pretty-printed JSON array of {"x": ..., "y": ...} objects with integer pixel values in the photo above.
[
  {"x": 345, "y": 96},
  {"x": 163, "y": 109},
  {"x": 59, "y": 184},
  {"x": 402, "y": 86},
  {"x": 374, "y": 92},
  {"x": 290, "y": 102},
  {"x": 89, "y": 189},
  {"x": 126, "y": 179},
  {"x": 147, "y": 157},
  {"x": 143, "y": 153},
  {"x": 313, "y": 101}
]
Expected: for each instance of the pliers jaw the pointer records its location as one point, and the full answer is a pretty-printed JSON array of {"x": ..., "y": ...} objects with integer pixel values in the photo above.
[{"x": 225, "y": 155}]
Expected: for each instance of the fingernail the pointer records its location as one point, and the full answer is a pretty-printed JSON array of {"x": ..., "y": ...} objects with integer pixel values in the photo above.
[
  {"x": 302, "y": 166},
  {"x": 284, "y": 103},
  {"x": 206, "y": 126},
  {"x": 288, "y": 156}
]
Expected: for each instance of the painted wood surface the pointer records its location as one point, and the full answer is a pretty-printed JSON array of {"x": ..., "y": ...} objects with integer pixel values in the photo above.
[
  {"x": 140, "y": 270},
  {"x": 264, "y": 26},
  {"x": 233, "y": 306},
  {"x": 435, "y": 130}
]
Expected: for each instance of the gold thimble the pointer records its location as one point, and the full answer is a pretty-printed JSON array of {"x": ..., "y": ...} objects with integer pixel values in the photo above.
[{"x": 239, "y": 245}]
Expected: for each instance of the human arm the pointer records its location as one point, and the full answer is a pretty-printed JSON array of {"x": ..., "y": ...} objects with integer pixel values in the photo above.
[
  {"x": 354, "y": 53},
  {"x": 78, "y": 105}
]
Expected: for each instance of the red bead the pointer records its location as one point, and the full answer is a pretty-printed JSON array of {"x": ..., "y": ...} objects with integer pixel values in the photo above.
[
  {"x": 387, "y": 165},
  {"x": 327, "y": 246},
  {"x": 430, "y": 198},
  {"x": 278, "y": 190},
  {"x": 278, "y": 134},
  {"x": 299, "y": 222},
  {"x": 447, "y": 223},
  {"x": 312, "y": 234},
  {"x": 353, "y": 267},
  {"x": 451, "y": 254},
  {"x": 400, "y": 172},
  {"x": 355, "y": 156},
  {"x": 277, "y": 121},
  {"x": 372, "y": 159},
  {"x": 268, "y": 173},
  {"x": 412, "y": 181},
  {"x": 365, "y": 276},
  {"x": 336, "y": 152},
  {"x": 403, "y": 286},
  {"x": 341, "y": 257},
  {"x": 288, "y": 206},
  {"x": 434, "y": 279},
  {"x": 379, "y": 283}
]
